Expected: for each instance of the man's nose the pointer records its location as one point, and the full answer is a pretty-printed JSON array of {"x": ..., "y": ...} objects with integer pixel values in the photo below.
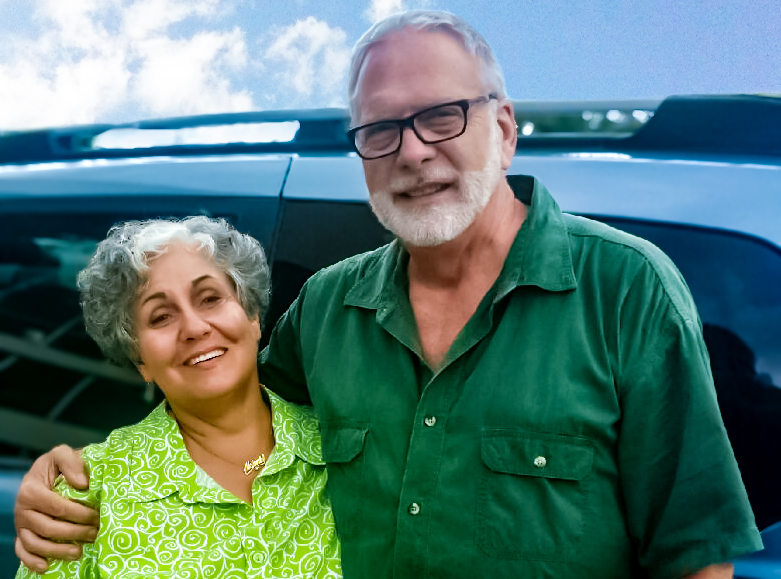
[{"x": 413, "y": 150}]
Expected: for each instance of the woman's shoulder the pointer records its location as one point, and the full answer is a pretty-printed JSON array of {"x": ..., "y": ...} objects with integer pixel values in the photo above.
[
  {"x": 127, "y": 440},
  {"x": 108, "y": 463}
]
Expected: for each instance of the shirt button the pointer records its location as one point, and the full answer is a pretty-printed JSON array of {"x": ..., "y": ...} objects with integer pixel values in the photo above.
[
  {"x": 540, "y": 462},
  {"x": 430, "y": 420},
  {"x": 414, "y": 509}
]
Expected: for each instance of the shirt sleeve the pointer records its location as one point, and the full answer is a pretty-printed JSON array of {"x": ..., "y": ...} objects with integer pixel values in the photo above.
[
  {"x": 686, "y": 504},
  {"x": 86, "y": 567},
  {"x": 281, "y": 367}
]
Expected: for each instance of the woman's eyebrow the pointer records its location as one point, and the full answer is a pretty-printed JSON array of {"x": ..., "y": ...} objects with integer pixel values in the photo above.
[
  {"x": 154, "y": 296},
  {"x": 201, "y": 279}
]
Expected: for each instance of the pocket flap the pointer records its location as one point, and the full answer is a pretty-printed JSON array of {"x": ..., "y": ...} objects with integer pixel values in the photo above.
[
  {"x": 545, "y": 455},
  {"x": 342, "y": 443}
]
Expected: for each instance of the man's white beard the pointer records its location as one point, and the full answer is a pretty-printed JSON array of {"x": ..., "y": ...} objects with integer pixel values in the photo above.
[{"x": 430, "y": 225}]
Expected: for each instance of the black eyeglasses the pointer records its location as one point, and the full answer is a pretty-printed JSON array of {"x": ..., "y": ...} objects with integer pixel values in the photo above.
[{"x": 432, "y": 125}]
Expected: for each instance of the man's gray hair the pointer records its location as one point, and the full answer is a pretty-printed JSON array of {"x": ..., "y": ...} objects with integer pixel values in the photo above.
[
  {"x": 429, "y": 21},
  {"x": 110, "y": 284}
]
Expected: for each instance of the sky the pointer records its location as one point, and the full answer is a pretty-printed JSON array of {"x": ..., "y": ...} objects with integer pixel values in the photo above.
[{"x": 66, "y": 62}]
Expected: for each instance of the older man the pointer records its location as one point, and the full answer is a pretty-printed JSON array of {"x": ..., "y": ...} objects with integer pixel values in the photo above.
[{"x": 505, "y": 390}]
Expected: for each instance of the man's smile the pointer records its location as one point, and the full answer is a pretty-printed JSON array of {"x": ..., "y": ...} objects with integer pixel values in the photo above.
[{"x": 422, "y": 191}]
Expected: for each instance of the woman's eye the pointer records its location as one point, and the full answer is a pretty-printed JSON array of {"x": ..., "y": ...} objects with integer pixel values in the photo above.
[
  {"x": 211, "y": 299},
  {"x": 158, "y": 319}
]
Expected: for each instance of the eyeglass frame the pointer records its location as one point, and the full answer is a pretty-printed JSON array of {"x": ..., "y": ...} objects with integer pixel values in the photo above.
[{"x": 409, "y": 122}]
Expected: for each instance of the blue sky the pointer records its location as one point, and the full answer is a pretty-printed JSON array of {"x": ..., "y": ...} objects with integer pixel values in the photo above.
[{"x": 83, "y": 61}]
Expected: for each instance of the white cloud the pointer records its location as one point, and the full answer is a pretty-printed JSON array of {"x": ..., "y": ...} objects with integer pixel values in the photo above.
[
  {"x": 146, "y": 17},
  {"x": 312, "y": 58},
  {"x": 379, "y": 9},
  {"x": 99, "y": 60},
  {"x": 76, "y": 86},
  {"x": 183, "y": 77},
  {"x": 76, "y": 22}
]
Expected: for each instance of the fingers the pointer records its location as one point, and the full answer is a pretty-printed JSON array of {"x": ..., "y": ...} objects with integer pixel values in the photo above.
[
  {"x": 32, "y": 562},
  {"x": 67, "y": 461},
  {"x": 33, "y": 551},
  {"x": 49, "y": 529},
  {"x": 42, "y": 517},
  {"x": 37, "y": 498}
]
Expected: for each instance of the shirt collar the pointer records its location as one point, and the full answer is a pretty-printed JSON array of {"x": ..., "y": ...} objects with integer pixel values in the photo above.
[
  {"x": 539, "y": 256},
  {"x": 296, "y": 431},
  {"x": 161, "y": 466}
]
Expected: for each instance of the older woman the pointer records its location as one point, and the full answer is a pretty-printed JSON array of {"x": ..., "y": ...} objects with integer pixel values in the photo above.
[{"x": 223, "y": 479}]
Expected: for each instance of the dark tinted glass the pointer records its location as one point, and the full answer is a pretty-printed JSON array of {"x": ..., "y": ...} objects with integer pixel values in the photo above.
[
  {"x": 55, "y": 386},
  {"x": 736, "y": 282},
  {"x": 314, "y": 235}
]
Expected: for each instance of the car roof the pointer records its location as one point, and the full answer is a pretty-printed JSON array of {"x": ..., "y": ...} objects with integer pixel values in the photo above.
[{"x": 711, "y": 161}]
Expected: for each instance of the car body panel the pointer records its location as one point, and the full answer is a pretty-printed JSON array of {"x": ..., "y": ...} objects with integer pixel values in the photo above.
[
  {"x": 704, "y": 192},
  {"x": 338, "y": 178},
  {"x": 250, "y": 175},
  {"x": 765, "y": 564}
]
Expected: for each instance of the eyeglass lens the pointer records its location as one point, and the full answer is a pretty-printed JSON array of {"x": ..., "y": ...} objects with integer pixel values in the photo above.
[{"x": 437, "y": 124}]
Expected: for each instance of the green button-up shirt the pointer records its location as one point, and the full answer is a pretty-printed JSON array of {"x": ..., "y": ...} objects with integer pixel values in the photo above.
[
  {"x": 573, "y": 430},
  {"x": 162, "y": 516}
]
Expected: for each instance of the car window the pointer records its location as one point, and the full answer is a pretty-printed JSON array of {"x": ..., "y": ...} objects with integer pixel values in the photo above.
[
  {"x": 314, "y": 235},
  {"x": 55, "y": 385},
  {"x": 736, "y": 282}
]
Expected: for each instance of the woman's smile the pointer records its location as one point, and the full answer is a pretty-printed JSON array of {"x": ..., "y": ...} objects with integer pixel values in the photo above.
[{"x": 201, "y": 358}]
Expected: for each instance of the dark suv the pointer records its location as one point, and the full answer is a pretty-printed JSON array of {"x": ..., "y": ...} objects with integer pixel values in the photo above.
[{"x": 698, "y": 176}]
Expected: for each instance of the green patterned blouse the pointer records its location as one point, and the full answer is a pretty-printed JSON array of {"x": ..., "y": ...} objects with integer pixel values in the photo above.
[{"x": 162, "y": 516}]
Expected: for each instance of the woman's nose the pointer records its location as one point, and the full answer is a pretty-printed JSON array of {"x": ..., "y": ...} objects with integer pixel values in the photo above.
[{"x": 194, "y": 325}]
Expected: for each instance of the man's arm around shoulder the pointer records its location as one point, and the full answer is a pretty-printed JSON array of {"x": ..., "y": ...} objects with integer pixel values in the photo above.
[{"x": 46, "y": 523}]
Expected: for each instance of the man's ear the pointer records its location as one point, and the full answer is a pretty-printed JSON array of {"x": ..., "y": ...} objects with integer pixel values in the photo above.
[{"x": 505, "y": 117}]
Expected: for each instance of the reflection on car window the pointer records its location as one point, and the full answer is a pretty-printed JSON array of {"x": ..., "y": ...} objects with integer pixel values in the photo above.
[
  {"x": 314, "y": 235},
  {"x": 56, "y": 387},
  {"x": 736, "y": 282},
  {"x": 47, "y": 362}
]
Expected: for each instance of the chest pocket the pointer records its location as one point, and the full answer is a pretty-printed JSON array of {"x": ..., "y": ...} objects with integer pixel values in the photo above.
[
  {"x": 343, "y": 446},
  {"x": 533, "y": 490}
]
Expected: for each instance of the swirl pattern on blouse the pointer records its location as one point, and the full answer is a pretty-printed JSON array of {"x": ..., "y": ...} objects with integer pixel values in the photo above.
[{"x": 163, "y": 516}]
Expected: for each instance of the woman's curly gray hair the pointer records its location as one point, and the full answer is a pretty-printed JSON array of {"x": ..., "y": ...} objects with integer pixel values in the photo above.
[{"x": 116, "y": 273}]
